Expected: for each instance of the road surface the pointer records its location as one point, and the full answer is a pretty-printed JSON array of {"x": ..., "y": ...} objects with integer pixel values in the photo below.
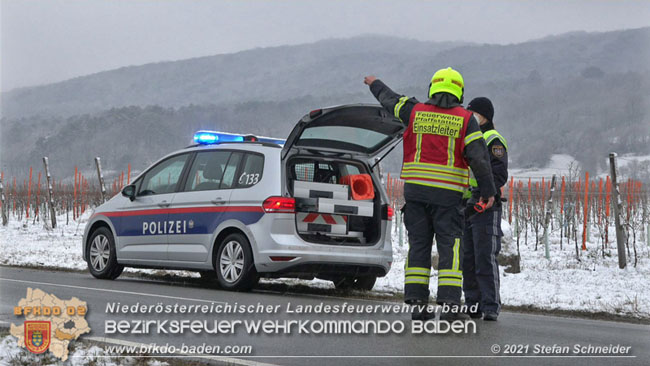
[{"x": 405, "y": 348}]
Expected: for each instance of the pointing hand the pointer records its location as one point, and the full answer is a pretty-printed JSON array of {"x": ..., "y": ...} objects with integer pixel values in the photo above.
[{"x": 369, "y": 79}]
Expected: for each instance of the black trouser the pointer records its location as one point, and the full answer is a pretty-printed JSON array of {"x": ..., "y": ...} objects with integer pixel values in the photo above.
[
  {"x": 424, "y": 221},
  {"x": 481, "y": 246}
]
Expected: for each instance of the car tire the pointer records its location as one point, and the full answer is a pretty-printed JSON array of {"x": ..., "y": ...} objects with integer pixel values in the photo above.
[
  {"x": 362, "y": 283},
  {"x": 234, "y": 264},
  {"x": 102, "y": 258}
]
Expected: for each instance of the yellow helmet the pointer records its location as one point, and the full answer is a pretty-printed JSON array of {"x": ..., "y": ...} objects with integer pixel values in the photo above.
[{"x": 449, "y": 81}]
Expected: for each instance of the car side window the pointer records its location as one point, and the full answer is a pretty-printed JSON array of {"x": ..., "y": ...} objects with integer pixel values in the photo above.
[
  {"x": 228, "y": 180},
  {"x": 163, "y": 177},
  {"x": 251, "y": 172},
  {"x": 207, "y": 171}
]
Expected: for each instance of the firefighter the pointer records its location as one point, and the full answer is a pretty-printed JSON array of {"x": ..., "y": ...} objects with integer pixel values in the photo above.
[
  {"x": 482, "y": 237},
  {"x": 441, "y": 141}
]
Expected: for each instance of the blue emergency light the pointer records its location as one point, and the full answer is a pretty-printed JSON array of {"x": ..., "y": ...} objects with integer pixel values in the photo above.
[{"x": 205, "y": 137}]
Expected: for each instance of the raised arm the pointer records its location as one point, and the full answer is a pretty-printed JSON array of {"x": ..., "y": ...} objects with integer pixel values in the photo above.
[{"x": 398, "y": 105}]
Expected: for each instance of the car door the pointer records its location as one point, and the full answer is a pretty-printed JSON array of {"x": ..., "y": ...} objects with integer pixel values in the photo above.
[
  {"x": 144, "y": 221},
  {"x": 199, "y": 208},
  {"x": 245, "y": 202}
]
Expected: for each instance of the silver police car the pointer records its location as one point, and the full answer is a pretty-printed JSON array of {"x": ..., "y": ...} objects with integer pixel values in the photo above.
[{"x": 239, "y": 207}]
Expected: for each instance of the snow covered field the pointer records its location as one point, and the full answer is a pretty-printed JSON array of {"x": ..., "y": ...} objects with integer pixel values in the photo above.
[
  {"x": 81, "y": 354},
  {"x": 593, "y": 284}
]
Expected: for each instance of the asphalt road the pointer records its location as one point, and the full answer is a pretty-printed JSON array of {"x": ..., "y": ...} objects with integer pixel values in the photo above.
[{"x": 324, "y": 349}]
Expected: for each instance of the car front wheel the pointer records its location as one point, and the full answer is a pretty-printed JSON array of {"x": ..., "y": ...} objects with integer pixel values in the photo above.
[
  {"x": 234, "y": 264},
  {"x": 102, "y": 259}
]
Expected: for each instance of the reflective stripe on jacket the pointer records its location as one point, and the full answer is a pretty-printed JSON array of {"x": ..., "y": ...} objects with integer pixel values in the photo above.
[
  {"x": 489, "y": 137},
  {"x": 433, "y": 147}
]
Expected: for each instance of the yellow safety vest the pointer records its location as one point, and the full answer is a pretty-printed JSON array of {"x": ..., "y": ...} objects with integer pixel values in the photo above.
[{"x": 489, "y": 136}]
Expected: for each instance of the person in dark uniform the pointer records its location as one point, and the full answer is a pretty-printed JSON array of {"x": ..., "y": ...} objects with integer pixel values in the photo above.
[
  {"x": 482, "y": 238},
  {"x": 441, "y": 142}
]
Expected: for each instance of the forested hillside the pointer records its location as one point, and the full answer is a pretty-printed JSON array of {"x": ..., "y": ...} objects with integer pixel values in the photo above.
[{"x": 580, "y": 94}]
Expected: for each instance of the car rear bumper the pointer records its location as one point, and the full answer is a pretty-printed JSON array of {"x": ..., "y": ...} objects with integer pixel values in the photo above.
[{"x": 278, "y": 248}]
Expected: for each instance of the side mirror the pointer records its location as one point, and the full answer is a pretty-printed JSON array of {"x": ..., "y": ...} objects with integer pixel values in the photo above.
[{"x": 129, "y": 191}]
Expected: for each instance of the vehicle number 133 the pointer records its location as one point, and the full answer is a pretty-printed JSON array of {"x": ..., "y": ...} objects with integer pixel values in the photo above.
[{"x": 249, "y": 179}]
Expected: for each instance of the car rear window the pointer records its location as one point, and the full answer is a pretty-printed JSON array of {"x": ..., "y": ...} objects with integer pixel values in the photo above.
[
  {"x": 353, "y": 138},
  {"x": 251, "y": 172}
]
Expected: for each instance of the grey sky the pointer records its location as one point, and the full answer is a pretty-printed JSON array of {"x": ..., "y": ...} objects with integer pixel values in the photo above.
[{"x": 50, "y": 40}]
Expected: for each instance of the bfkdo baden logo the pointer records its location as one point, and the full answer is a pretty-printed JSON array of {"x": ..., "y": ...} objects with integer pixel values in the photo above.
[
  {"x": 50, "y": 323},
  {"x": 37, "y": 335}
]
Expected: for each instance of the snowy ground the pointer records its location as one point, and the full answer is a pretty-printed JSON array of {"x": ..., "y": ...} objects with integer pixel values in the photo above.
[
  {"x": 35, "y": 244},
  {"x": 81, "y": 354},
  {"x": 559, "y": 165},
  {"x": 592, "y": 284}
]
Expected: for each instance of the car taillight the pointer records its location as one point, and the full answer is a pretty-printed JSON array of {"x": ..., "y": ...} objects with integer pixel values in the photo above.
[
  {"x": 390, "y": 212},
  {"x": 278, "y": 204}
]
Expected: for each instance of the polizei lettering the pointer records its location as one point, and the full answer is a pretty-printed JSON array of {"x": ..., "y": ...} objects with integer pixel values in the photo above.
[{"x": 164, "y": 227}]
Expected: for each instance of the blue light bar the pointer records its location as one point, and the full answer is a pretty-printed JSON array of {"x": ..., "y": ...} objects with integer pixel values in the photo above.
[
  {"x": 205, "y": 137},
  {"x": 214, "y": 137}
]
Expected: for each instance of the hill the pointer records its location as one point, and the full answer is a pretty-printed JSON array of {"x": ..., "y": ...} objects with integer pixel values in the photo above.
[{"x": 582, "y": 94}]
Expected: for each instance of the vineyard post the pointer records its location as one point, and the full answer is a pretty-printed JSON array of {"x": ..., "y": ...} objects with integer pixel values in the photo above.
[
  {"x": 38, "y": 196},
  {"x": 563, "y": 231},
  {"x": 620, "y": 234},
  {"x": 585, "y": 215},
  {"x": 401, "y": 227},
  {"x": 547, "y": 219},
  {"x": 510, "y": 193},
  {"x": 3, "y": 203},
  {"x": 100, "y": 176},
  {"x": 517, "y": 209},
  {"x": 29, "y": 193},
  {"x": 50, "y": 195},
  {"x": 608, "y": 197},
  {"x": 74, "y": 196}
]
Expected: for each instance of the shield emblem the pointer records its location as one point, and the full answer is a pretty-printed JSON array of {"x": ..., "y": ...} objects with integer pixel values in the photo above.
[{"x": 37, "y": 335}]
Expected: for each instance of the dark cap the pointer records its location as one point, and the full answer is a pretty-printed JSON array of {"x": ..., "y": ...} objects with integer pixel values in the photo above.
[{"x": 483, "y": 106}]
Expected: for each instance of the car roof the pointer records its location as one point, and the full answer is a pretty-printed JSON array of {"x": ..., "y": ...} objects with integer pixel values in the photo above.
[{"x": 238, "y": 145}]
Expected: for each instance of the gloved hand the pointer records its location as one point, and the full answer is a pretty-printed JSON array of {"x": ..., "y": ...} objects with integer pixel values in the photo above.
[{"x": 488, "y": 202}]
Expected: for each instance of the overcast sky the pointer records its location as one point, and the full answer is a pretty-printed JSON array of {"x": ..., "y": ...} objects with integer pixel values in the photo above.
[{"x": 44, "y": 41}]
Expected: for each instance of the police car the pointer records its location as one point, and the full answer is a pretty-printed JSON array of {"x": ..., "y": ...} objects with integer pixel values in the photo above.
[{"x": 241, "y": 207}]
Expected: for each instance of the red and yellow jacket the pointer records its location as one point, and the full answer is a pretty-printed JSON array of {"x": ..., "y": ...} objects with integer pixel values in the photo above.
[{"x": 441, "y": 142}]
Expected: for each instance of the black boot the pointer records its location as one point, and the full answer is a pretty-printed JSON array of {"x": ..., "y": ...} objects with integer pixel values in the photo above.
[
  {"x": 421, "y": 312},
  {"x": 490, "y": 316},
  {"x": 473, "y": 314}
]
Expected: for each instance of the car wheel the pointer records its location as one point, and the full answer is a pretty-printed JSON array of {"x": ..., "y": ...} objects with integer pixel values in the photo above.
[
  {"x": 102, "y": 259},
  {"x": 363, "y": 283},
  {"x": 234, "y": 264}
]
